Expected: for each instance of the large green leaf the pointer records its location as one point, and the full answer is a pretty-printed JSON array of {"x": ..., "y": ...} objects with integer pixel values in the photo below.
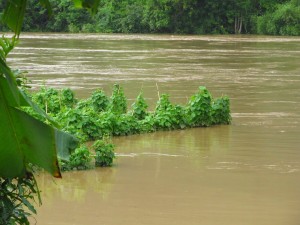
[
  {"x": 16, "y": 98},
  {"x": 27, "y": 140},
  {"x": 65, "y": 144},
  {"x": 24, "y": 139},
  {"x": 6, "y": 45}
]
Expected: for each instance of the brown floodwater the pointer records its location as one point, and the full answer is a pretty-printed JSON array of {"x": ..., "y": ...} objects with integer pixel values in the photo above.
[{"x": 247, "y": 173}]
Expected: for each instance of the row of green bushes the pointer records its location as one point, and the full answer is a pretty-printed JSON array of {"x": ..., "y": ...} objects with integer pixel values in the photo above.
[{"x": 100, "y": 116}]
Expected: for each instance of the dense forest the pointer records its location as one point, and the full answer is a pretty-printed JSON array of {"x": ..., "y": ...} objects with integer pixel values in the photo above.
[{"x": 273, "y": 17}]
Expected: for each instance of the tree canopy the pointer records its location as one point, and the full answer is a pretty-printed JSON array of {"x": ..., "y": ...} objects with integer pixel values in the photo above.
[{"x": 277, "y": 17}]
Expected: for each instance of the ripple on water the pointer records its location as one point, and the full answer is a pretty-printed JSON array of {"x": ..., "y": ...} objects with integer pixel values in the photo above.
[
  {"x": 292, "y": 167},
  {"x": 147, "y": 154}
]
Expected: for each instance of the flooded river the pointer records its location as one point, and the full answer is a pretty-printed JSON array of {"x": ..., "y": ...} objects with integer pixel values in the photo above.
[{"x": 247, "y": 173}]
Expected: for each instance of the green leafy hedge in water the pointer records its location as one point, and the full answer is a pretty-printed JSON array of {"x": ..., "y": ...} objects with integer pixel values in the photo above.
[{"x": 100, "y": 116}]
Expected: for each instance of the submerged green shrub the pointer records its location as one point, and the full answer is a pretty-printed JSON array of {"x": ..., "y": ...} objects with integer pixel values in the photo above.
[
  {"x": 106, "y": 123},
  {"x": 83, "y": 104},
  {"x": 96, "y": 117},
  {"x": 125, "y": 124},
  {"x": 139, "y": 107},
  {"x": 52, "y": 101},
  {"x": 221, "y": 111},
  {"x": 118, "y": 102},
  {"x": 147, "y": 125},
  {"x": 68, "y": 98},
  {"x": 99, "y": 101},
  {"x": 104, "y": 150},
  {"x": 80, "y": 159},
  {"x": 168, "y": 116},
  {"x": 48, "y": 99},
  {"x": 72, "y": 121},
  {"x": 199, "y": 108}
]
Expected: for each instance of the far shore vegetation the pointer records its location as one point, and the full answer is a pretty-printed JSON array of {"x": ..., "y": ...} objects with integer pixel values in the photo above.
[{"x": 269, "y": 17}]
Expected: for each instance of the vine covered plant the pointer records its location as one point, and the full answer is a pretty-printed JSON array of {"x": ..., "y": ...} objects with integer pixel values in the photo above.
[{"x": 99, "y": 116}]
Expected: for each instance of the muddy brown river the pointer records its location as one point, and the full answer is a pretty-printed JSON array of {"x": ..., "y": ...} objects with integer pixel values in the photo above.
[{"x": 247, "y": 173}]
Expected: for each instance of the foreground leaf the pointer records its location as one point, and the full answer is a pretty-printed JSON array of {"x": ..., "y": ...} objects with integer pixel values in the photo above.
[{"x": 25, "y": 139}]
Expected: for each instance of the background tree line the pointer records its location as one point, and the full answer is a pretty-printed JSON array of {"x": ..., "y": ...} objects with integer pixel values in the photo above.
[{"x": 274, "y": 17}]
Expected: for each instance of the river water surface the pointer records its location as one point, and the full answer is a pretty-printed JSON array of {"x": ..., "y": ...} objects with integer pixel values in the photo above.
[{"x": 247, "y": 173}]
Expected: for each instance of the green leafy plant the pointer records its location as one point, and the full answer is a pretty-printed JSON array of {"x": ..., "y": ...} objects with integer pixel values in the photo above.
[
  {"x": 48, "y": 99},
  {"x": 92, "y": 118},
  {"x": 104, "y": 150},
  {"x": 17, "y": 197},
  {"x": 68, "y": 98},
  {"x": 80, "y": 159},
  {"x": 168, "y": 116},
  {"x": 162, "y": 114},
  {"x": 99, "y": 101},
  {"x": 199, "y": 108},
  {"x": 118, "y": 102},
  {"x": 139, "y": 107},
  {"x": 284, "y": 19},
  {"x": 221, "y": 111},
  {"x": 125, "y": 124},
  {"x": 147, "y": 125}
]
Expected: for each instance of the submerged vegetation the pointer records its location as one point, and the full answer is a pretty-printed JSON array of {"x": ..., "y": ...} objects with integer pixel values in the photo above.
[{"x": 99, "y": 117}]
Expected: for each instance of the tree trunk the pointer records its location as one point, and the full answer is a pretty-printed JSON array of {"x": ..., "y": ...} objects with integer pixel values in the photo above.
[{"x": 238, "y": 24}]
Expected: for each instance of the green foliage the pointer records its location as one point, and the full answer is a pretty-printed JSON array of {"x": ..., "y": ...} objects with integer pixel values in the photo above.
[
  {"x": 90, "y": 126},
  {"x": 52, "y": 101},
  {"x": 99, "y": 101},
  {"x": 199, "y": 108},
  {"x": 118, "y": 102},
  {"x": 125, "y": 124},
  {"x": 48, "y": 100},
  {"x": 96, "y": 117},
  {"x": 104, "y": 150},
  {"x": 168, "y": 116},
  {"x": 139, "y": 107},
  {"x": 284, "y": 20},
  {"x": 81, "y": 123},
  {"x": 68, "y": 98},
  {"x": 106, "y": 123},
  {"x": 17, "y": 197},
  {"x": 221, "y": 111},
  {"x": 80, "y": 159},
  {"x": 166, "y": 16},
  {"x": 28, "y": 141},
  {"x": 65, "y": 17},
  {"x": 147, "y": 125}
]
